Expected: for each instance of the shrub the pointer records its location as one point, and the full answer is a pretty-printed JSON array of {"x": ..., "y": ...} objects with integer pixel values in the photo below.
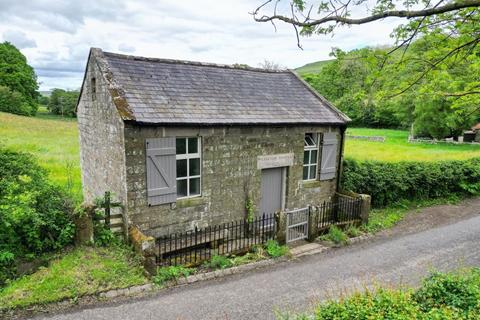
[
  {"x": 336, "y": 235},
  {"x": 450, "y": 290},
  {"x": 165, "y": 274},
  {"x": 389, "y": 183},
  {"x": 34, "y": 214},
  {"x": 274, "y": 249},
  {"x": 353, "y": 231}
]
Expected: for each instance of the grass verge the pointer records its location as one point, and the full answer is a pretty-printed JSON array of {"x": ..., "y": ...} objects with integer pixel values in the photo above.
[{"x": 82, "y": 271}]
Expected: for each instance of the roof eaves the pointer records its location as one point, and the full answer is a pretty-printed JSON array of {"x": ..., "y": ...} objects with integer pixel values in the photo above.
[{"x": 342, "y": 116}]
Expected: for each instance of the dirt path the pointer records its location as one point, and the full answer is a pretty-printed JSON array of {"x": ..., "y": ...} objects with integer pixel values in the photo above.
[{"x": 418, "y": 220}]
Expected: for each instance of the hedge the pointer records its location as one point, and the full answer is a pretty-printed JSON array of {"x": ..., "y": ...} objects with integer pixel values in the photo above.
[{"x": 388, "y": 183}]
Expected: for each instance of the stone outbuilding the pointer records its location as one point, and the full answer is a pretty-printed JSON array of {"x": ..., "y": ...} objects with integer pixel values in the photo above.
[{"x": 186, "y": 144}]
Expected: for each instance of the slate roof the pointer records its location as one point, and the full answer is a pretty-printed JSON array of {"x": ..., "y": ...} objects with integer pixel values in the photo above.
[{"x": 161, "y": 91}]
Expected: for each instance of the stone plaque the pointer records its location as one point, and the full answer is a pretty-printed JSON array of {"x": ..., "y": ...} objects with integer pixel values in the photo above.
[{"x": 275, "y": 161}]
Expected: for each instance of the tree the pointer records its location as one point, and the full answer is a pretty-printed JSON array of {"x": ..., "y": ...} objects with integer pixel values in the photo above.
[
  {"x": 423, "y": 16},
  {"x": 270, "y": 65},
  {"x": 63, "y": 102},
  {"x": 18, "y": 81}
]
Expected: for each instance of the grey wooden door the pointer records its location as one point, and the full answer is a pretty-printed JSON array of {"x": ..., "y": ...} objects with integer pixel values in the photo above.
[{"x": 272, "y": 190}]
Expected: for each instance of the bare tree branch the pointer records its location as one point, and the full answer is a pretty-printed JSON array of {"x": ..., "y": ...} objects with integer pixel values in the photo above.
[{"x": 453, "y": 6}]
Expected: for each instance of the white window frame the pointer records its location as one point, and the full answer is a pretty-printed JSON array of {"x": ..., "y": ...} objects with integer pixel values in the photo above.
[
  {"x": 187, "y": 156},
  {"x": 309, "y": 148}
]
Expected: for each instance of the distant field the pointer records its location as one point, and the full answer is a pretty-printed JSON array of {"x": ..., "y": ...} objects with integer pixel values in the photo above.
[
  {"x": 396, "y": 148},
  {"x": 314, "y": 67},
  {"x": 52, "y": 138}
]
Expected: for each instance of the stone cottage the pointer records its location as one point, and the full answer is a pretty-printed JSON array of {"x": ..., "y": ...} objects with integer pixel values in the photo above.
[{"x": 186, "y": 144}]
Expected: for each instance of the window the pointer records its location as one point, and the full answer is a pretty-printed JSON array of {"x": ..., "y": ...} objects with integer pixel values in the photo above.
[
  {"x": 188, "y": 167},
  {"x": 93, "y": 86},
  {"x": 310, "y": 156}
]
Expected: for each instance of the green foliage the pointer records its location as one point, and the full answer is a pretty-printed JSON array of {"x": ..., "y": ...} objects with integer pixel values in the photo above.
[
  {"x": 455, "y": 290},
  {"x": 388, "y": 183},
  {"x": 381, "y": 89},
  {"x": 336, "y": 235},
  {"x": 219, "y": 262},
  {"x": 170, "y": 273},
  {"x": 275, "y": 250},
  {"x": 34, "y": 214},
  {"x": 18, "y": 82},
  {"x": 14, "y": 102},
  {"x": 63, "y": 102},
  {"x": 353, "y": 231},
  {"x": 441, "y": 297}
]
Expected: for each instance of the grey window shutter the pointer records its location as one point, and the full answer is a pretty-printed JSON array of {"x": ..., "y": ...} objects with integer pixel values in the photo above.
[
  {"x": 161, "y": 170},
  {"x": 328, "y": 166}
]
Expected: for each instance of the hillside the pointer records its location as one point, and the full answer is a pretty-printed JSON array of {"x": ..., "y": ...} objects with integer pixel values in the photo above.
[{"x": 313, "y": 67}]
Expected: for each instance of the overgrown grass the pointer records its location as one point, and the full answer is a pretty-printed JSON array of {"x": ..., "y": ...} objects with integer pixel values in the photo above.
[
  {"x": 454, "y": 295},
  {"x": 165, "y": 274},
  {"x": 53, "y": 139},
  {"x": 396, "y": 148},
  {"x": 79, "y": 272}
]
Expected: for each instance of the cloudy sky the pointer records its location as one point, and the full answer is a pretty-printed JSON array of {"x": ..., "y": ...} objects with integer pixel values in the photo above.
[{"x": 55, "y": 36}]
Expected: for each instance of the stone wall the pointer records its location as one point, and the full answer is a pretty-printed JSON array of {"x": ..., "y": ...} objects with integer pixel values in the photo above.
[
  {"x": 102, "y": 152},
  {"x": 229, "y": 174}
]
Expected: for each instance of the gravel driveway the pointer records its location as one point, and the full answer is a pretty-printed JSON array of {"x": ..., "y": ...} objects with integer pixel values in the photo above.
[{"x": 295, "y": 285}]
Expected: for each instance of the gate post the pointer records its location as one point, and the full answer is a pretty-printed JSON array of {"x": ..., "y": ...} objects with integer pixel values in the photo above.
[
  {"x": 281, "y": 232},
  {"x": 365, "y": 207},
  {"x": 312, "y": 223}
]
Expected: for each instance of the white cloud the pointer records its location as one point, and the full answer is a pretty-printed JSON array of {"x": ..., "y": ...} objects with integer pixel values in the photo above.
[
  {"x": 210, "y": 31},
  {"x": 19, "y": 39}
]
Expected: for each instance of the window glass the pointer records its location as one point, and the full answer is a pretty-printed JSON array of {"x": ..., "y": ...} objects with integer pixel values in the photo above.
[
  {"x": 181, "y": 168},
  {"x": 313, "y": 170},
  {"x": 194, "y": 167},
  {"x": 194, "y": 186},
  {"x": 182, "y": 188},
  {"x": 306, "y": 157},
  {"x": 188, "y": 167},
  {"x": 305, "y": 173},
  {"x": 193, "y": 145},
  {"x": 181, "y": 145},
  {"x": 313, "y": 156}
]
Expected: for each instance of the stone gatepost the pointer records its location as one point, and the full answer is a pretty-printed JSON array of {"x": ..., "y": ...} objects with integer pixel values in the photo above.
[
  {"x": 145, "y": 246},
  {"x": 366, "y": 206},
  {"x": 83, "y": 220},
  {"x": 313, "y": 223},
  {"x": 281, "y": 221}
]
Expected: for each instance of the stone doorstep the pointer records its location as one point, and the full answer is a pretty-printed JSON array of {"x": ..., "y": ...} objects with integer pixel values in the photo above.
[{"x": 303, "y": 250}]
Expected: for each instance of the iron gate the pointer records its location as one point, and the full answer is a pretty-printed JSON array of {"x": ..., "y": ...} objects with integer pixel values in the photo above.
[{"x": 297, "y": 224}]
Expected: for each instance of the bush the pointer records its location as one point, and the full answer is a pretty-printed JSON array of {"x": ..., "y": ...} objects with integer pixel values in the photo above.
[
  {"x": 389, "y": 183},
  {"x": 34, "y": 214},
  {"x": 452, "y": 290},
  {"x": 165, "y": 274},
  {"x": 275, "y": 250}
]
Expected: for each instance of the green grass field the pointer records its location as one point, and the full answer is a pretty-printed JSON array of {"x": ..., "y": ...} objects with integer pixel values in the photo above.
[
  {"x": 53, "y": 139},
  {"x": 397, "y": 148},
  {"x": 314, "y": 67}
]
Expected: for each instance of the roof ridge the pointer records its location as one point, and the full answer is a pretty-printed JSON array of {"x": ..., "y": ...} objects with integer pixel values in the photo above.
[{"x": 194, "y": 63}]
